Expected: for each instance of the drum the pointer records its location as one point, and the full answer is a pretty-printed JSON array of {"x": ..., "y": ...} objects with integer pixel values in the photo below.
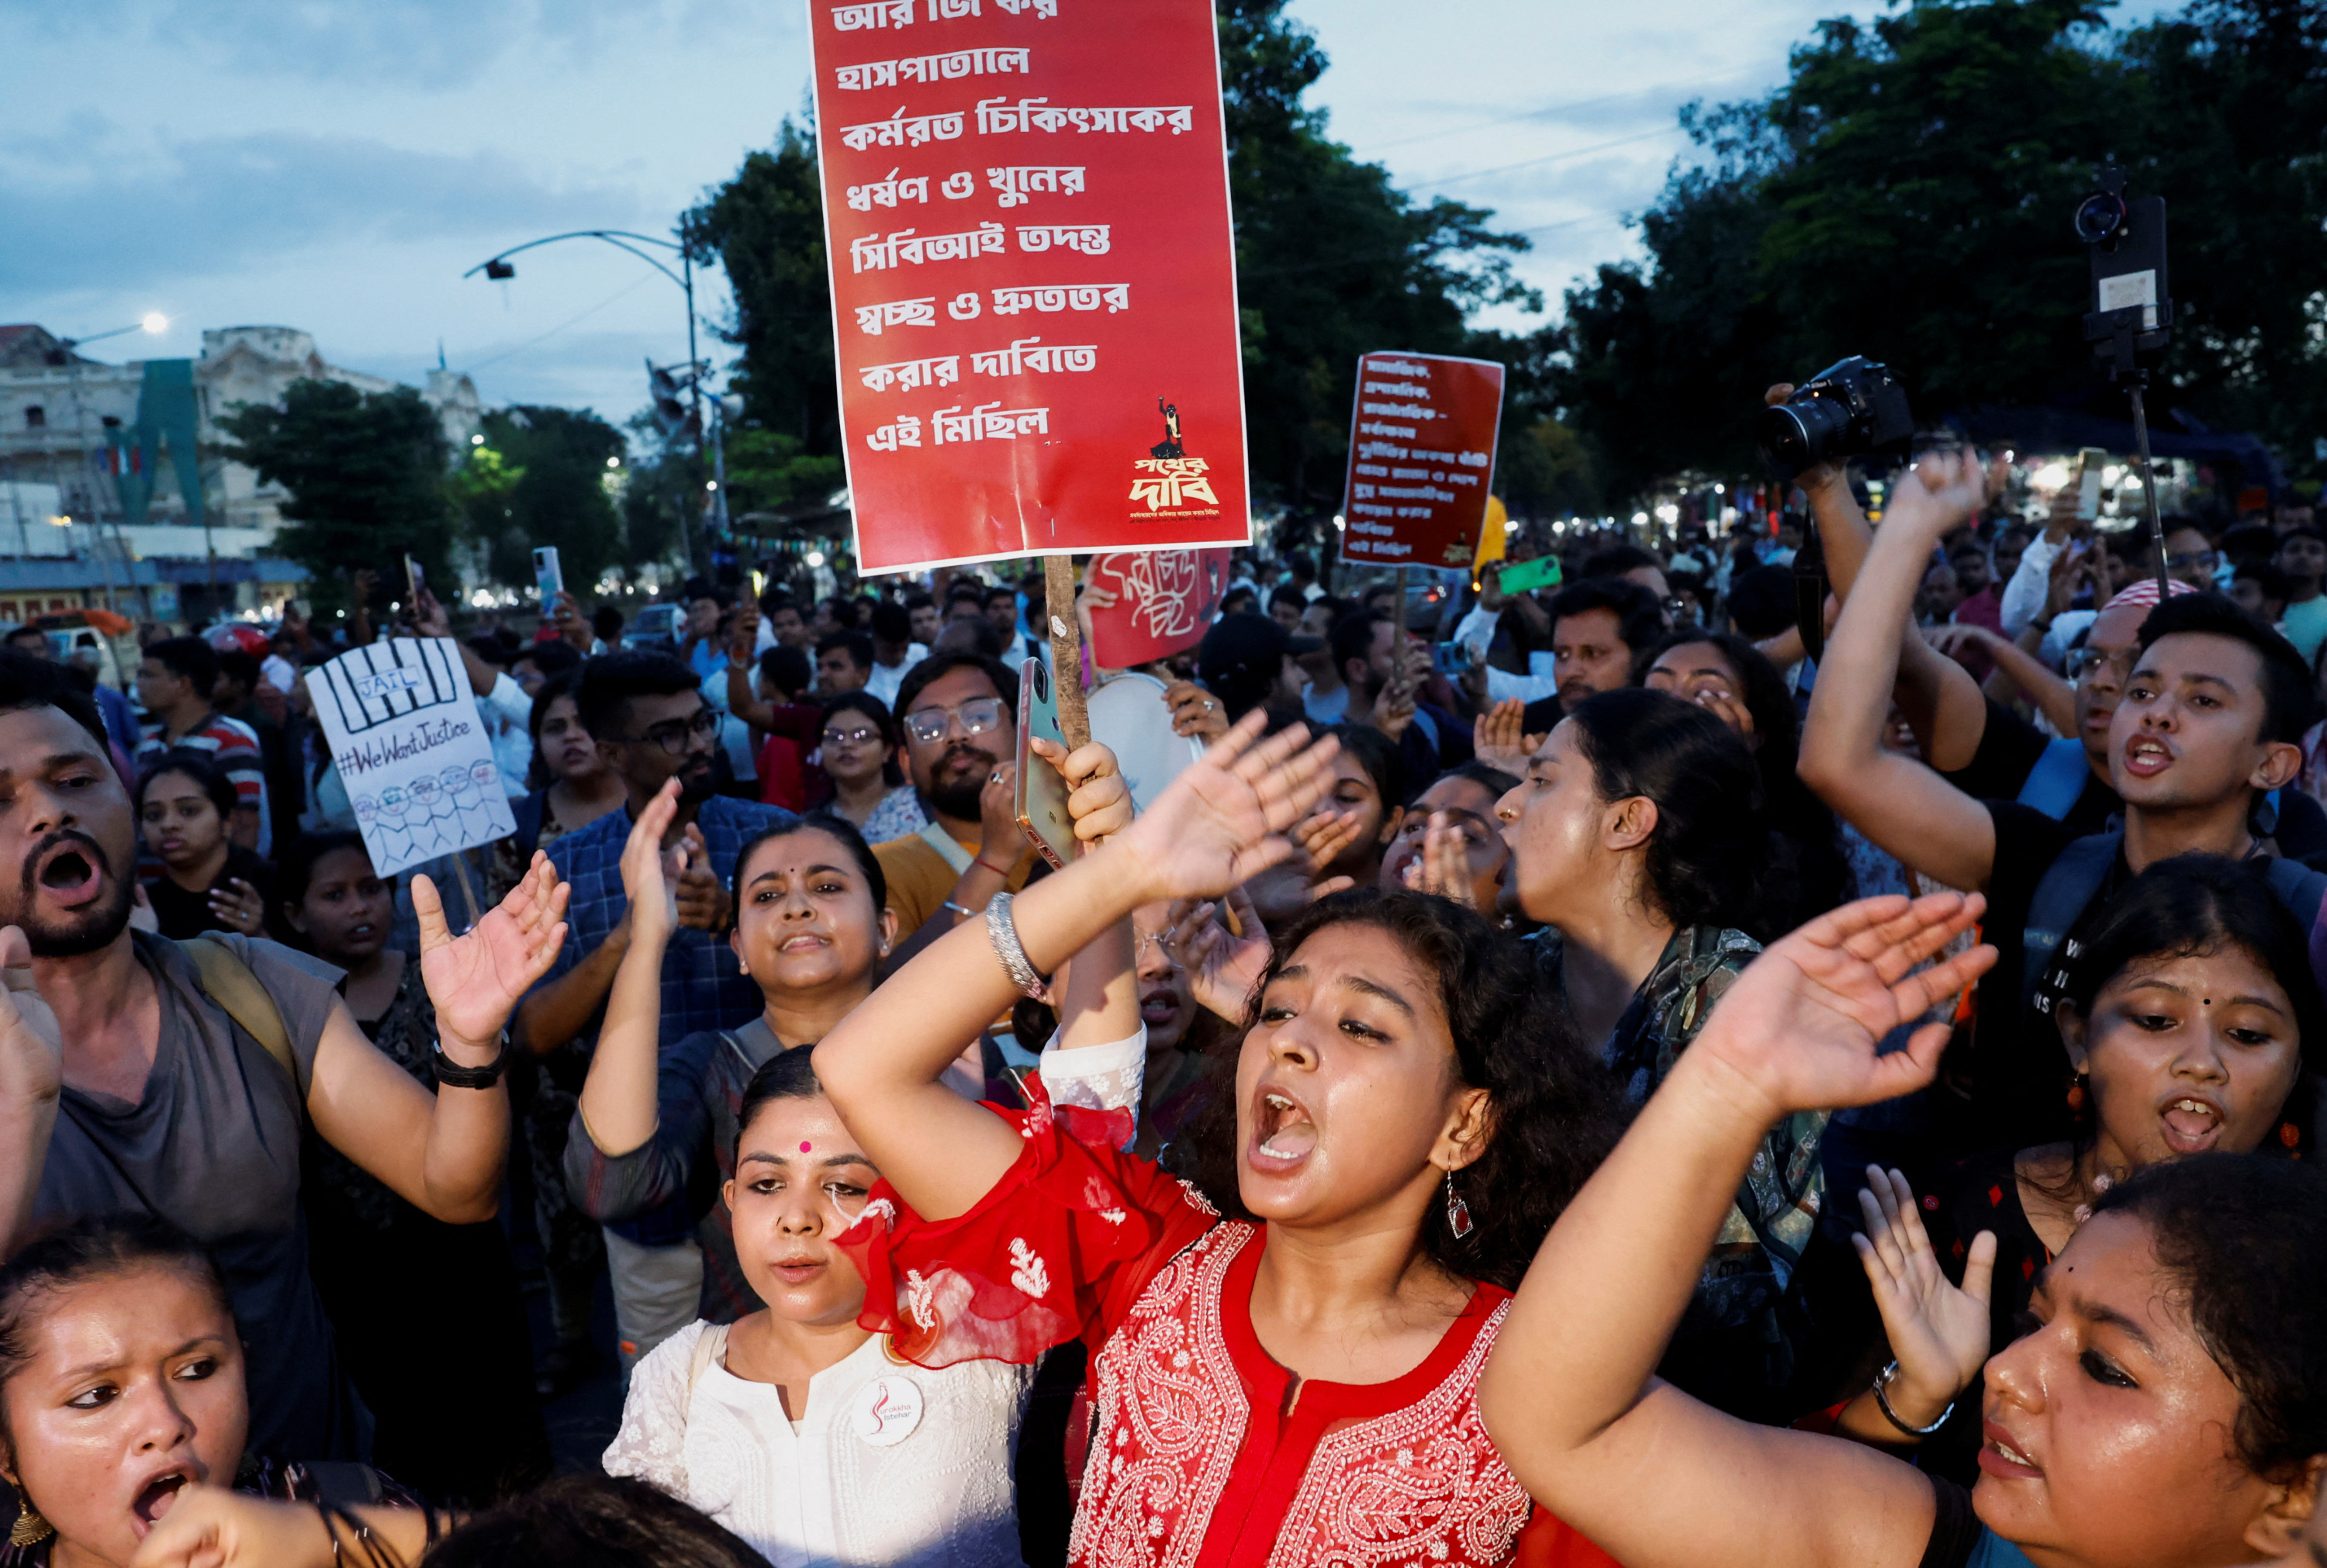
[{"x": 1127, "y": 715}]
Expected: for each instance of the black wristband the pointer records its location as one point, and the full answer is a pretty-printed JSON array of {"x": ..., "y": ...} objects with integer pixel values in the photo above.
[{"x": 449, "y": 1071}]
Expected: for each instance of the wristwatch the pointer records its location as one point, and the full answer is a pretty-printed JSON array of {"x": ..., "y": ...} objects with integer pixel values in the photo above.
[{"x": 449, "y": 1071}]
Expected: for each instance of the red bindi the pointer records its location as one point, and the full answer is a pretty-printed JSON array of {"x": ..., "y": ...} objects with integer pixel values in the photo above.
[{"x": 807, "y": 1147}]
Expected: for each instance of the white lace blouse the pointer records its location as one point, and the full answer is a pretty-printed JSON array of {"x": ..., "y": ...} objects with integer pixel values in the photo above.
[{"x": 892, "y": 1463}]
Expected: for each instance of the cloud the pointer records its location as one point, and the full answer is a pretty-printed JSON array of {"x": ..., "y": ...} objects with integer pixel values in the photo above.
[
  {"x": 433, "y": 44},
  {"x": 202, "y": 206}
]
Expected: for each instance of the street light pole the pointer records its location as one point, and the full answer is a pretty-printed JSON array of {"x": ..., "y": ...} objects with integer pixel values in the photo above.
[
  {"x": 152, "y": 322},
  {"x": 498, "y": 267}
]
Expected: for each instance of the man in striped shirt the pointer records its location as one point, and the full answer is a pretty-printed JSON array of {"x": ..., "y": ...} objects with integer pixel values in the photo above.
[{"x": 175, "y": 680}]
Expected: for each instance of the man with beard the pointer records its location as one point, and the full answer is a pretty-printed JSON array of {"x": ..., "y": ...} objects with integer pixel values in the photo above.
[
  {"x": 961, "y": 737},
  {"x": 651, "y": 725},
  {"x": 131, "y": 1080}
]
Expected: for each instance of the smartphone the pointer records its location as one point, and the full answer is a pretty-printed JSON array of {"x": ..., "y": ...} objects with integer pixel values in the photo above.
[
  {"x": 1543, "y": 572},
  {"x": 1041, "y": 805},
  {"x": 2090, "y": 460},
  {"x": 548, "y": 580},
  {"x": 415, "y": 578},
  {"x": 1453, "y": 658}
]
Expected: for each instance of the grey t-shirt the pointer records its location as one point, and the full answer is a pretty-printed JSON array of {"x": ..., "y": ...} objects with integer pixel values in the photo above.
[{"x": 214, "y": 1147}]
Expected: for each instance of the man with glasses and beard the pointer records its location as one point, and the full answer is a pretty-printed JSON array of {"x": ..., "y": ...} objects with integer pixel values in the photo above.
[
  {"x": 652, "y": 726},
  {"x": 132, "y": 1081},
  {"x": 961, "y": 739}
]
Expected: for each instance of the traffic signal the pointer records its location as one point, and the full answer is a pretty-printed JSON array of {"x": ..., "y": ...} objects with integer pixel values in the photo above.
[{"x": 671, "y": 409}]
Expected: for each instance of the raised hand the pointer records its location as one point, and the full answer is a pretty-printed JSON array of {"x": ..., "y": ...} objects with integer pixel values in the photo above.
[
  {"x": 1496, "y": 737},
  {"x": 32, "y": 1043},
  {"x": 697, "y": 898},
  {"x": 1939, "y": 1332},
  {"x": 476, "y": 979},
  {"x": 1222, "y": 968},
  {"x": 1321, "y": 837},
  {"x": 744, "y": 635},
  {"x": 1098, "y": 802},
  {"x": 1226, "y": 818},
  {"x": 1798, "y": 1030},
  {"x": 1195, "y": 712},
  {"x": 1443, "y": 866},
  {"x": 1942, "y": 491},
  {"x": 235, "y": 905},
  {"x": 654, "y": 908},
  {"x": 210, "y": 1526}
]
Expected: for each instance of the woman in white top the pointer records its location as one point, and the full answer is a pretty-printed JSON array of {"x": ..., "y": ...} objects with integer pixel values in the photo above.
[{"x": 794, "y": 1427}]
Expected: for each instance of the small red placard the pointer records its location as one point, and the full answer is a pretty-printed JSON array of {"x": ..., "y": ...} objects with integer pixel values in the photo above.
[
  {"x": 1422, "y": 450},
  {"x": 1164, "y": 601}
]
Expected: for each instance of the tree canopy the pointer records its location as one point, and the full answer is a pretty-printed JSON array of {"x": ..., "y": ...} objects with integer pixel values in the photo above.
[
  {"x": 1907, "y": 195},
  {"x": 541, "y": 479},
  {"x": 365, "y": 472}
]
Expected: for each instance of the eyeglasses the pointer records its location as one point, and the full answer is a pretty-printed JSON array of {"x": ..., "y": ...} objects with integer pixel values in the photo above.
[
  {"x": 1161, "y": 941},
  {"x": 977, "y": 716},
  {"x": 2084, "y": 661},
  {"x": 2202, "y": 559},
  {"x": 674, "y": 735},
  {"x": 851, "y": 737}
]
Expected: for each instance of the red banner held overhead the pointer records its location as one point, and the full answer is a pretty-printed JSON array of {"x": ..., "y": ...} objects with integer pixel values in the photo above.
[
  {"x": 1422, "y": 449},
  {"x": 1164, "y": 600},
  {"x": 1033, "y": 279}
]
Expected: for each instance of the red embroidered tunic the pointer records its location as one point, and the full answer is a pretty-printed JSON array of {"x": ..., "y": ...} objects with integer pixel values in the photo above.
[{"x": 1206, "y": 1454}]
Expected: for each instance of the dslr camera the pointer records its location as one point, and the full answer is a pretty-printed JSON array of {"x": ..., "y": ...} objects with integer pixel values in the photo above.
[{"x": 1851, "y": 407}]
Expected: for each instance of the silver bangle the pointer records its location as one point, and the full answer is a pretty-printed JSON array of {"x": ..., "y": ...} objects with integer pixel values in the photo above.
[
  {"x": 1003, "y": 932},
  {"x": 1883, "y": 1402}
]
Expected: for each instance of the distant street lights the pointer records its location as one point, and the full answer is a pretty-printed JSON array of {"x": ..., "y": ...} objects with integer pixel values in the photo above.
[{"x": 500, "y": 268}]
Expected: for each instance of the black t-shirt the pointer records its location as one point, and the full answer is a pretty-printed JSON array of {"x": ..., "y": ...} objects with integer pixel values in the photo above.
[
  {"x": 181, "y": 914},
  {"x": 2019, "y": 1070},
  {"x": 2008, "y": 752}
]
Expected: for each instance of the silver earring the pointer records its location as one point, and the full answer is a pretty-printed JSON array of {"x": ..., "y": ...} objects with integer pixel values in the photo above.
[
  {"x": 1458, "y": 1213},
  {"x": 742, "y": 965}
]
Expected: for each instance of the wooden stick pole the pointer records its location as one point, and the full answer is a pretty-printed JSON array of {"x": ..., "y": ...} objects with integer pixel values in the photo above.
[{"x": 1066, "y": 648}]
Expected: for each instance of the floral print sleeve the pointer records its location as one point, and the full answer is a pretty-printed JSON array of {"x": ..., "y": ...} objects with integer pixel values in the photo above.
[{"x": 1061, "y": 1248}]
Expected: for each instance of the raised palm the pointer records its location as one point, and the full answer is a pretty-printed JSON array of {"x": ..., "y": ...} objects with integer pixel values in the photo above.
[
  {"x": 1222, "y": 969},
  {"x": 1939, "y": 1332},
  {"x": 476, "y": 979},
  {"x": 1802, "y": 1024},
  {"x": 1225, "y": 818}
]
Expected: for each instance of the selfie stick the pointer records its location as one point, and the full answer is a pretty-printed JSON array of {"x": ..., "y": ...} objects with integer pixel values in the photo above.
[{"x": 2143, "y": 324}]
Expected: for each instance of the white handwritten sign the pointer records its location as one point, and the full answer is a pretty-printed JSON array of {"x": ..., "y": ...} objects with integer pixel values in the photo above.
[{"x": 401, "y": 721}]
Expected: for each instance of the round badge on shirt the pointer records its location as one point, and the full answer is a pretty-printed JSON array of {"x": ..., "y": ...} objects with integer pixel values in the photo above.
[{"x": 887, "y": 1411}]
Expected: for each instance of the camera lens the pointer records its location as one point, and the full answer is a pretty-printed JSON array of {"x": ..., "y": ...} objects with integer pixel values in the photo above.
[
  {"x": 1798, "y": 433},
  {"x": 2100, "y": 217}
]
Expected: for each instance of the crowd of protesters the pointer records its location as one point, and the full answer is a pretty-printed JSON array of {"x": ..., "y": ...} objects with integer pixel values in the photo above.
[{"x": 1625, "y": 1072}]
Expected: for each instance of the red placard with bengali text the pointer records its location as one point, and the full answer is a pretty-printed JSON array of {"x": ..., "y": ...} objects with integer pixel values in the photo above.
[
  {"x": 1033, "y": 277},
  {"x": 1422, "y": 450},
  {"x": 1164, "y": 601}
]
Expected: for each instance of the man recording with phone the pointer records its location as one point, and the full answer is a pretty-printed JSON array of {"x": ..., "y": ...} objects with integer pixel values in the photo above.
[{"x": 960, "y": 715}]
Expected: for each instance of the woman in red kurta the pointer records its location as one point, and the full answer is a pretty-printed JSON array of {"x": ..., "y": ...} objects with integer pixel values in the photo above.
[{"x": 1291, "y": 1383}]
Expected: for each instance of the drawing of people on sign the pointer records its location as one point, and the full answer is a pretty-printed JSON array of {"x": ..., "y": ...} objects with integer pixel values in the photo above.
[{"x": 1170, "y": 446}]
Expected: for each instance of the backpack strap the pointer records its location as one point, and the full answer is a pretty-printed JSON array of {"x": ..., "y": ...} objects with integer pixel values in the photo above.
[
  {"x": 934, "y": 834},
  {"x": 2056, "y": 781},
  {"x": 2061, "y": 896},
  {"x": 226, "y": 980},
  {"x": 708, "y": 1347}
]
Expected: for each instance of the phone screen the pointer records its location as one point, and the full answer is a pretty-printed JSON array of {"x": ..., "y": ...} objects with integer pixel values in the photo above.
[
  {"x": 548, "y": 580},
  {"x": 1042, "y": 804},
  {"x": 415, "y": 578}
]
